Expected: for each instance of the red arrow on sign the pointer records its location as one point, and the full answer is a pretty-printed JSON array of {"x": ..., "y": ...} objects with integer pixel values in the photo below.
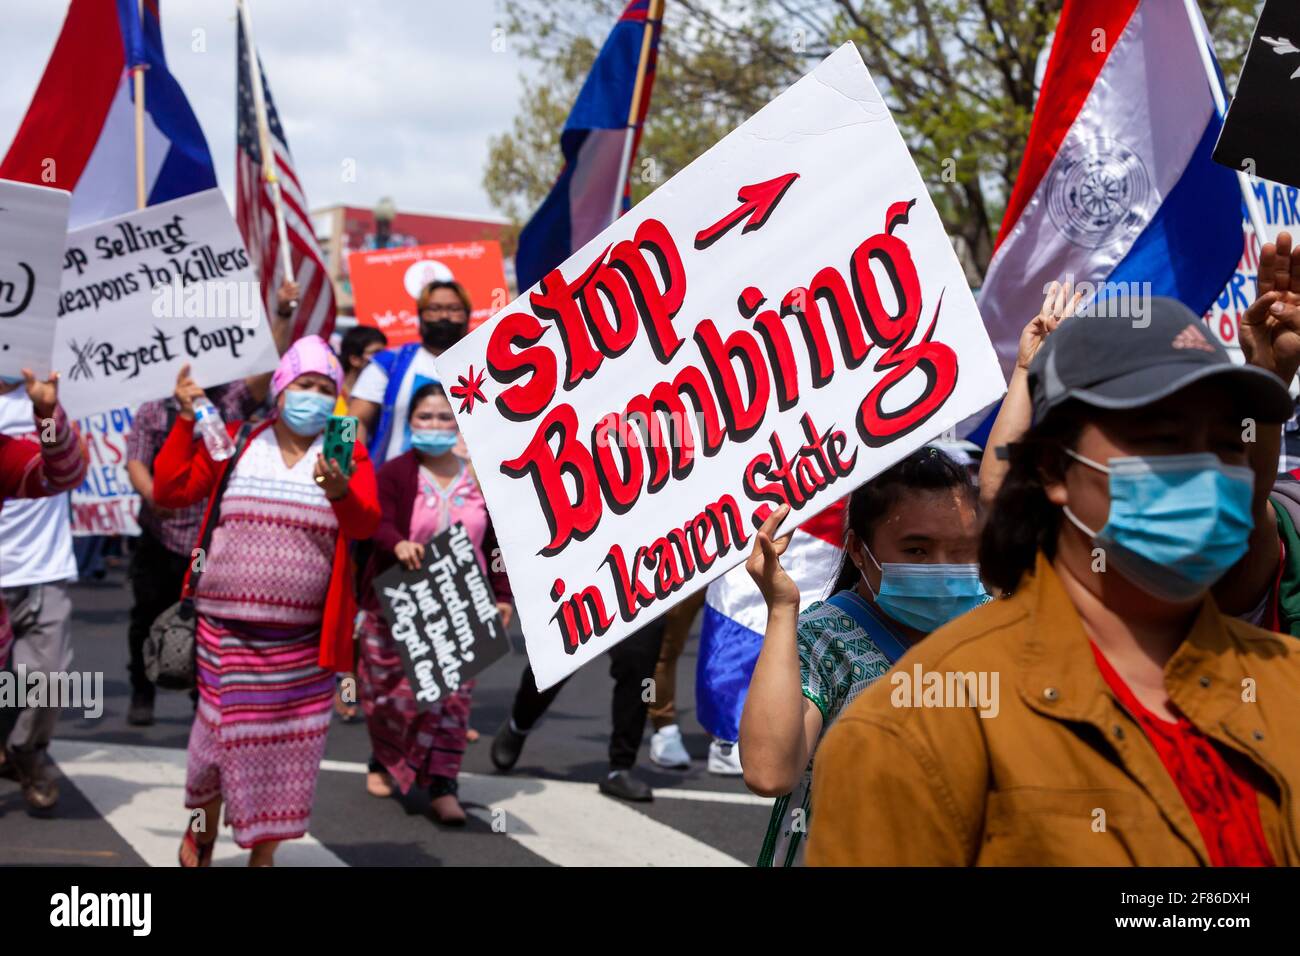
[{"x": 756, "y": 201}]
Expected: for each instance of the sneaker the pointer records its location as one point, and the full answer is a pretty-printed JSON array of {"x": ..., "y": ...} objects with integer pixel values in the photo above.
[
  {"x": 140, "y": 713},
  {"x": 36, "y": 776},
  {"x": 667, "y": 749},
  {"x": 724, "y": 758},
  {"x": 624, "y": 786},
  {"x": 507, "y": 745}
]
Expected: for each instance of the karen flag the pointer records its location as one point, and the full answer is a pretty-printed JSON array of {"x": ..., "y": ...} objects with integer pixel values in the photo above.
[
  {"x": 598, "y": 144},
  {"x": 1117, "y": 188},
  {"x": 79, "y": 131}
]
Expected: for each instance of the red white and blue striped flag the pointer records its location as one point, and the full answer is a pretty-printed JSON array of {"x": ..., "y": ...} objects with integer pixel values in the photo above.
[
  {"x": 1117, "y": 186},
  {"x": 581, "y": 203},
  {"x": 79, "y": 131}
]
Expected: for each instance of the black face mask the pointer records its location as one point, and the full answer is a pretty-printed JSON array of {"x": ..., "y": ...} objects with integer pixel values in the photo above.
[{"x": 441, "y": 333}]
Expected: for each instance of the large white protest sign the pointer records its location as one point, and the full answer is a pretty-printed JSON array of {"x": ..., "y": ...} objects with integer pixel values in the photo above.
[
  {"x": 33, "y": 224},
  {"x": 148, "y": 292},
  {"x": 779, "y": 322}
]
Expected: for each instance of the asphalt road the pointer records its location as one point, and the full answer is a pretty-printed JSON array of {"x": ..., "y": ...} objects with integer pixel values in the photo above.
[{"x": 121, "y": 801}]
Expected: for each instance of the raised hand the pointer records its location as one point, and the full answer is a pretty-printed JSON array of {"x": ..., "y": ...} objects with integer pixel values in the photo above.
[
  {"x": 187, "y": 391},
  {"x": 1270, "y": 329},
  {"x": 44, "y": 394},
  {"x": 764, "y": 564},
  {"x": 1058, "y": 305}
]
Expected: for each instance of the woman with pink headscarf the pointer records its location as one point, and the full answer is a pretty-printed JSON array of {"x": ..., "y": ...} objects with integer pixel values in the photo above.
[{"x": 274, "y": 602}]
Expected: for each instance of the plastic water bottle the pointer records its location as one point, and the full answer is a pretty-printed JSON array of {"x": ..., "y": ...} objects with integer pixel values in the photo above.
[{"x": 208, "y": 423}]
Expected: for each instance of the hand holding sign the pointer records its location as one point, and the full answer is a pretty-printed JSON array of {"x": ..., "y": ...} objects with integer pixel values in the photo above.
[
  {"x": 44, "y": 394},
  {"x": 187, "y": 391},
  {"x": 764, "y": 564},
  {"x": 410, "y": 554}
]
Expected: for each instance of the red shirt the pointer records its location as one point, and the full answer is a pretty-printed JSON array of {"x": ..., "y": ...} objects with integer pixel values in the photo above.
[{"x": 1223, "y": 803}]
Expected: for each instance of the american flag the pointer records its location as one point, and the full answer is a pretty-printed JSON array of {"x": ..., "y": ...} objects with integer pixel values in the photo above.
[{"x": 255, "y": 211}]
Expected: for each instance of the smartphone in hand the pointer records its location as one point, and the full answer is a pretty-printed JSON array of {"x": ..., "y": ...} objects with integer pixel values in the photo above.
[{"x": 340, "y": 439}]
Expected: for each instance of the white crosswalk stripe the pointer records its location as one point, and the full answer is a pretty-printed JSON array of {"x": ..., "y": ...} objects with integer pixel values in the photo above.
[
  {"x": 139, "y": 792},
  {"x": 572, "y": 824}
]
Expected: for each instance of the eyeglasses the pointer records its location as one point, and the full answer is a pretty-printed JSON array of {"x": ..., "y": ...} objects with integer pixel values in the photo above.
[{"x": 443, "y": 310}]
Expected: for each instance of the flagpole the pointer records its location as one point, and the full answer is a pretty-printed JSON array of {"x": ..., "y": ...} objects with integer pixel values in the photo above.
[
  {"x": 1220, "y": 104},
  {"x": 264, "y": 140},
  {"x": 138, "y": 75},
  {"x": 654, "y": 15}
]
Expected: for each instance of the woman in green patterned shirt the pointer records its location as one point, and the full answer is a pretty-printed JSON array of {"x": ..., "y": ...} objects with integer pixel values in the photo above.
[{"x": 909, "y": 566}]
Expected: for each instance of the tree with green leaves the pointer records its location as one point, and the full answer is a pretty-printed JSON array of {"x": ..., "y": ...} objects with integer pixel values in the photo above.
[{"x": 961, "y": 77}]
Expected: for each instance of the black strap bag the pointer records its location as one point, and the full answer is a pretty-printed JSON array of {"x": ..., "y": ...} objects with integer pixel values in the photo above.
[{"x": 169, "y": 650}]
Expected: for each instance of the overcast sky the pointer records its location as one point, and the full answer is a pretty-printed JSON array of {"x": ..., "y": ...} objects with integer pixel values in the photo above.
[{"x": 409, "y": 89}]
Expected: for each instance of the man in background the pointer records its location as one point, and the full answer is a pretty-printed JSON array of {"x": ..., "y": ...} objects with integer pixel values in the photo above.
[{"x": 36, "y": 564}]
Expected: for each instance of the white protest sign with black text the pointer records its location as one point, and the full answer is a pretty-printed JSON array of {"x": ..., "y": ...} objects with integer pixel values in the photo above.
[
  {"x": 151, "y": 291},
  {"x": 778, "y": 323},
  {"x": 33, "y": 225}
]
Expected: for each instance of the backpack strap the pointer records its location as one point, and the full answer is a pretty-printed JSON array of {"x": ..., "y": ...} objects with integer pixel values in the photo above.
[
  {"x": 1287, "y": 590},
  {"x": 886, "y": 641}
]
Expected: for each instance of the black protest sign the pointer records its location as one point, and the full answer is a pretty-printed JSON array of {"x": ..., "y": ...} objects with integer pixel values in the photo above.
[
  {"x": 443, "y": 617},
  {"x": 1262, "y": 129}
]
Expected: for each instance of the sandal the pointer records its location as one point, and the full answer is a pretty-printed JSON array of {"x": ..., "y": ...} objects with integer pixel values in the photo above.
[{"x": 202, "y": 851}]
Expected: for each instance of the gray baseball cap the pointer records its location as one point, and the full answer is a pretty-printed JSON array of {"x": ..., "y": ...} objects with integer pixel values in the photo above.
[{"x": 1116, "y": 364}]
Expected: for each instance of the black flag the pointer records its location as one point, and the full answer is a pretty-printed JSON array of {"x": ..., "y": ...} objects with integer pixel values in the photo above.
[{"x": 1261, "y": 135}]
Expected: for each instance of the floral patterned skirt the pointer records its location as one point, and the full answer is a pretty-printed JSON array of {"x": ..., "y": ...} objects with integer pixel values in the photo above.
[{"x": 414, "y": 745}]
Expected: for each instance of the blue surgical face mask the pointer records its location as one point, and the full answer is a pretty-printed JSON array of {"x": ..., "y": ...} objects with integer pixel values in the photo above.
[
  {"x": 1177, "y": 523},
  {"x": 927, "y": 596},
  {"x": 306, "y": 413},
  {"x": 434, "y": 441}
]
